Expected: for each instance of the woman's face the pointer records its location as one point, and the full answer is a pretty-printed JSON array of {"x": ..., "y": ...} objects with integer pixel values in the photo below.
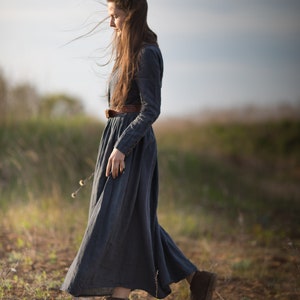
[{"x": 117, "y": 17}]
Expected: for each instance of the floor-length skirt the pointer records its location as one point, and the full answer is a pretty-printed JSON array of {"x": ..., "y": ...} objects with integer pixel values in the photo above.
[{"x": 123, "y": 245}]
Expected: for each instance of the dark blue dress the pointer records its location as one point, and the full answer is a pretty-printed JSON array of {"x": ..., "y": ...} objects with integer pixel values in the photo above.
[{"x": 124, "y": 246}]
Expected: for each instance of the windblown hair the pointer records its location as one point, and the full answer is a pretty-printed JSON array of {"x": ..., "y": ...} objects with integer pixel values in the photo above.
[{"x": 127, "y": 47}]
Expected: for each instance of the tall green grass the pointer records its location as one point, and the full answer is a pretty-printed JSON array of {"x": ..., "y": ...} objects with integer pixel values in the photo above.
[
  {"x": 42, "y": 158},
  {"x": 236, "y": 175}
]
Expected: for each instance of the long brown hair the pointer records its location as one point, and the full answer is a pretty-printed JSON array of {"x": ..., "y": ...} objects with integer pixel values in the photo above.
[{"x": 126, "y": 47}]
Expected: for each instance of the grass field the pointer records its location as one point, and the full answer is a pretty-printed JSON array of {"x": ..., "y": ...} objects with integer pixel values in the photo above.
[{"x": 229, "y": 196}]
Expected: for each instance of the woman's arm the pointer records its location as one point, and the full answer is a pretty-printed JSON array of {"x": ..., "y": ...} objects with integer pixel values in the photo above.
[{"x": 148, "y": 80}]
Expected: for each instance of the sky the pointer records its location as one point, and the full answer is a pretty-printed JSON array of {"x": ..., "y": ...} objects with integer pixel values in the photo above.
[{"x": 217, "y": 53}]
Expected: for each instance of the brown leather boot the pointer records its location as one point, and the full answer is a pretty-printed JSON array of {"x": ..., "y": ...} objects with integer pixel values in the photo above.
[{"x": 203, "y": 285}]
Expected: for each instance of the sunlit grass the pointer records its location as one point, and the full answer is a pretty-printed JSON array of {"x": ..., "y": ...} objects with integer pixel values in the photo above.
[{"x": 39, "y": 233}]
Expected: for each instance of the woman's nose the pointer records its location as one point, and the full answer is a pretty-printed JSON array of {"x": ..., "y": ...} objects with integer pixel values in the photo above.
[{"x": 112, "y": 22}]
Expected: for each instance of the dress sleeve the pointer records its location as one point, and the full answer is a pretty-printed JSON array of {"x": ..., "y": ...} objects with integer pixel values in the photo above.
[{"x": 148, "y": 78}]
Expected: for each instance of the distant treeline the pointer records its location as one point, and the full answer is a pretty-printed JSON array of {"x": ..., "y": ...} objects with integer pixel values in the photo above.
[{"x": 22, "y": 101}]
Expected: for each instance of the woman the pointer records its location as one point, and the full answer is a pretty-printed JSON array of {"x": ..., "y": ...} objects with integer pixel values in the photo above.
[{"x": 124, "y": 248}]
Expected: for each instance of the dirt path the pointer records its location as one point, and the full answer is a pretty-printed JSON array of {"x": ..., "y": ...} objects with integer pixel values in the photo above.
[{"x": 33, "y": 266}]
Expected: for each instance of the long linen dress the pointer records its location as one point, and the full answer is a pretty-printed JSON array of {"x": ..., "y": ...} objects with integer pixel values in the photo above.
[{"x": 124, "y": 246}]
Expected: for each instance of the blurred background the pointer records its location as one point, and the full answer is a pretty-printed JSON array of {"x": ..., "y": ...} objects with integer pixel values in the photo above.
[{"x": 228, "y": 140}]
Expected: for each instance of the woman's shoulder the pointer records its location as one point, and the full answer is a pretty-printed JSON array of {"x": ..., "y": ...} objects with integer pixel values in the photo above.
[
  {"x": 150, "y": 52},
  {"x": 150, "y": 48}
]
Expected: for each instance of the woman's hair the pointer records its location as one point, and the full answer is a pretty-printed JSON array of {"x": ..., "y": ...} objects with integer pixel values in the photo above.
[{"x": 126, "y": 47}]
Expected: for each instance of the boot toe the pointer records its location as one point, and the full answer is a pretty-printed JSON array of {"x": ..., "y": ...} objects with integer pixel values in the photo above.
[{"x": 203, "y": 285}]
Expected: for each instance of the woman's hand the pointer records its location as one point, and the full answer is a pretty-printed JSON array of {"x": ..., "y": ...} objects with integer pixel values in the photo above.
[{"x": 116, "y": 163}]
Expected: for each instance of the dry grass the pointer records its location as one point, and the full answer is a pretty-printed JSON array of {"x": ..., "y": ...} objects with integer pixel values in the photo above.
[{"x": 38, "y": 242}]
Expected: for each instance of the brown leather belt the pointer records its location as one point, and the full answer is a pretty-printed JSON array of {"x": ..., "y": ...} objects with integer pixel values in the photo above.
[{"x": 130, "y": 108}]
